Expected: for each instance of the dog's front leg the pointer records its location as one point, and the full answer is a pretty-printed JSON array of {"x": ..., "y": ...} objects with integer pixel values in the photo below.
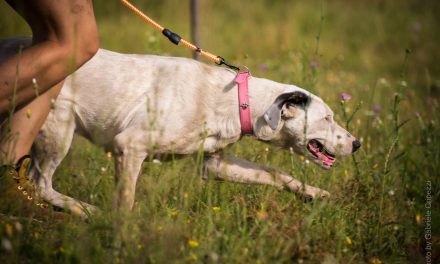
[
  {"x": 130, "y": 152},
  {"x": 238, "y": 170}
]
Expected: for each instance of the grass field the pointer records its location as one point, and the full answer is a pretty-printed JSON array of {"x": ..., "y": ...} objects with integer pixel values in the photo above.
[{"x": 385, "y": 200}]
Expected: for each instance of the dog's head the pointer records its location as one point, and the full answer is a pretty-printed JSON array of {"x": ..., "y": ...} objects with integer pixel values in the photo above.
[{"x": 303, "y": 122}]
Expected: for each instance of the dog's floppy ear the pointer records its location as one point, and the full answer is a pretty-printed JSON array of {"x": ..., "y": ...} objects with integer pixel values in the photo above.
[{"x": 273, "y": 114}]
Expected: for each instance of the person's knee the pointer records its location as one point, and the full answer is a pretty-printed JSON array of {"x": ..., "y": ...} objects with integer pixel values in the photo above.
[
  {"x": 73, "y": 54},
  {"x": 81, "y": 44},
  {"x": 87, "y": 48}
]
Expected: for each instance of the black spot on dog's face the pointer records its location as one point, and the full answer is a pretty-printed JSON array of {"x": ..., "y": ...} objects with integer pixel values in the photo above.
[
  {"x": 290, "y": 100},
  {"x": 297, "y": 99}
]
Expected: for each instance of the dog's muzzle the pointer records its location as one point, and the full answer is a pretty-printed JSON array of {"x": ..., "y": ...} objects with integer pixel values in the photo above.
[{"x": 319, "y": 152}]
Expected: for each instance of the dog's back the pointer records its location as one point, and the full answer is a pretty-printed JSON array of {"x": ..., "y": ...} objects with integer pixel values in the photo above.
[{"x": 114, "y": 91}]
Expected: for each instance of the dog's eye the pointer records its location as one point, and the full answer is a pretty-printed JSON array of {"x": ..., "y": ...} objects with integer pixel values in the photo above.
[{"x": 328, "y": 118}]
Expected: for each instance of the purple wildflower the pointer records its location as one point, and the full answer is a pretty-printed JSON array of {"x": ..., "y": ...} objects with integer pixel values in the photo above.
[
  {"x": 262, "y": 67},
  {"x": 417, "y": 114},
  {"x": 377, "y": 108},
  {"x": 313, "y": 64},
  {"x": 345, "y": 96}
]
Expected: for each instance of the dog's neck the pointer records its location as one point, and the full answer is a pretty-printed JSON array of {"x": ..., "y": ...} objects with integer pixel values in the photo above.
[{"x": 262, "y": 94}]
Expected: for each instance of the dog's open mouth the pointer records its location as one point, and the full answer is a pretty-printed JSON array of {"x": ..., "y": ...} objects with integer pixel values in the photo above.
[{"x": 318, "y": 151}]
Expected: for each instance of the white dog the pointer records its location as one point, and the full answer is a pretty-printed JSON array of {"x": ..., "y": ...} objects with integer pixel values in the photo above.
[{"x": 141, "y": 105}]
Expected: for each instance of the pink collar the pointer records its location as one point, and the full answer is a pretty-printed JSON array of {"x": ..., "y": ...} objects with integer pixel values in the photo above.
[{"x": 244, "y": 103}]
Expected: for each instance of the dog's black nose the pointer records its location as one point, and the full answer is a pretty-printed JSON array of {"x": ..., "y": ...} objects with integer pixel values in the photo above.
[{"x": 356, "y": 145}]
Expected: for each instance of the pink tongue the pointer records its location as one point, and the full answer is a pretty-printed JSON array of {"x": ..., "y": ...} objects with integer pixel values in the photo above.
[{"x": 325, "y": 159}]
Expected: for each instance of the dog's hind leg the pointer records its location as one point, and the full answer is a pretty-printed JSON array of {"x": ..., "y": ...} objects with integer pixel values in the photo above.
[
  {"x": 238, "y": 170},
  {"x": 130, "y": 152},
  {"x": 50, "y": 148}
]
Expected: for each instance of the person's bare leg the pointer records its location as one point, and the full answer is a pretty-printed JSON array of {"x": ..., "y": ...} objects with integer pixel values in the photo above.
[
  {"x": 64, "y": 38},
  {"x": 26, "y": 122}
]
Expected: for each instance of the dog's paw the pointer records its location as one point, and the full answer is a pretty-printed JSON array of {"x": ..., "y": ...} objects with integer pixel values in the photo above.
[
  {"x": 84, "y": 210},
  {"x": 312, "y": 193}
]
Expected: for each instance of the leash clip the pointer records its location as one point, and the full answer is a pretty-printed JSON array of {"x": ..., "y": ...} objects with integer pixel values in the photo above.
[{"x": 222, "y": 61}]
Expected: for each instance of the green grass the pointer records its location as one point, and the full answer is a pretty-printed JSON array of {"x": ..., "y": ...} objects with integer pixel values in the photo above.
[{"x": 383, "y": 53}]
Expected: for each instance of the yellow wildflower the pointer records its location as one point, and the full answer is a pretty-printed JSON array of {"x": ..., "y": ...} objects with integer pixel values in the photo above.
[
  {"x": 375, "y": 261},
  {"x": 262, "y": 215},
  {"x": 418, "y": 218},
  {"x": 109, "y": 154},
  {"x": 9, "y": 230},
  {"x": 193, "y": 257},
  {"x": 216, "y": 209},
  {"x": 174, "y": 213},
  {"x": 348, "y": 241},
  {"x": 193, "y": 243}
]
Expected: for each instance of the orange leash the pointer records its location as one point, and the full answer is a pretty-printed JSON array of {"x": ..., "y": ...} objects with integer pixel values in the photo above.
[{"x": 176, "y": 39}]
